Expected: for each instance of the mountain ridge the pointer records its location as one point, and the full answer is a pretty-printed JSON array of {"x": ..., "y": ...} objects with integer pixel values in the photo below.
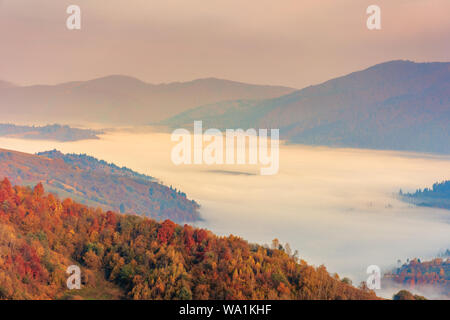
[
  {"x": 54, "y": 132},
  {"x": 397, "y": 105},
  {"x": 118, "y": 99},
  {"x": 98, "y": 183},
  {"x": 6, "y": 84}
]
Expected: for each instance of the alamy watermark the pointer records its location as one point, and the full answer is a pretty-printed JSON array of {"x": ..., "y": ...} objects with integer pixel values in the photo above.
[
  {"x": 374, "y": 280},
  {"x": 73, "y": 22},
  {"x": 74, "y": 279},
  {"x": 214, "y": 147},
  {"x": 374, "y": 20}
]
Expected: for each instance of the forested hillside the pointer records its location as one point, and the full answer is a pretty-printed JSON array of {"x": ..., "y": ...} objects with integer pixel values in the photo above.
[
  {"x": 50, "y": 132},
  {"x": 417, "y": 274},
  {"x": 127, "y": 256},
  {"x": 438, "y": 196},
  {"x": 98, "y": 183}
]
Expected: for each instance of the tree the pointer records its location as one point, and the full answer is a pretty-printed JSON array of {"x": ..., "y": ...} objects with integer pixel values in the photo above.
[
  {"x": 38, "y": 190},
  {"x": 406, "y": 295},
  {"x": 184, "y": 294},
  {"x": 347, "y": 280},
  {"x": 275, "y": 244},
  {"x": 287, "y": 249},
  {"x": 140, "y": 258},
  {"x": 166, "y": 231}
]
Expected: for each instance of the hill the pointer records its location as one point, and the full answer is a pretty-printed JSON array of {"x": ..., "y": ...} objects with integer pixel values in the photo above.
[
  {"x": 432, "y": 276},
  {"x": 138, "y": 258},
  {"x": 5, "y": 84},
  {"x": 397, "y": 105},
  {"x": 98, "y": 183},
  {"x": 50, "y": 132},
  {"x": 438, "y": 196},
  {"x": 120, "y": 99}
]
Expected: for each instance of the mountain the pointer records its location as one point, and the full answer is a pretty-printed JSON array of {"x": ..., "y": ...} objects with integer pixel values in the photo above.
[
  {"x": 50, "y": 132},
  {"x": 221, "y": 115},
  {"x": 397, "y": 105},
  {"x": 98, "y": 183},
  {"x": 120, "y": 99},
  {"x": 438, "y": 196},
  {"x": 5, "y": 84},
  {"x": 126, "y": 256}
]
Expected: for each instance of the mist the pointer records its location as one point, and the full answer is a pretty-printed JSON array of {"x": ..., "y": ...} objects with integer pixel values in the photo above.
[{"x": 337, "y": 207}]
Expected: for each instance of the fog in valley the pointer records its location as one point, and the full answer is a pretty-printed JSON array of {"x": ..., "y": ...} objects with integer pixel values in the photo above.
[{"x": 337, "y": 207}]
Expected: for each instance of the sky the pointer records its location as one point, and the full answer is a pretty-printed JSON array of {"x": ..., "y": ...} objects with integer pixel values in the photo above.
[{"x": 284, "y": 42}]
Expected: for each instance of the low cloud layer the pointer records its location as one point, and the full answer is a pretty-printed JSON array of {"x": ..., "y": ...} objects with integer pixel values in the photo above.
[{"x": 336, "y": 206}]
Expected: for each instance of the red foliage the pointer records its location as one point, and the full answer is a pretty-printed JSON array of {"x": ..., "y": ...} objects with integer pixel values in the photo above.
[
  {"x": 166, "y": 231},
  {"x": 28, "y": 263},
  {"x": 42, "y": 236},
  {"x": 201, "y": 235},
  {"x": 111, "y": 218},
  {"x": 38, "y": 190},
  {"x": 417, "y": 274},
  {"x": 189, "y": 241}
]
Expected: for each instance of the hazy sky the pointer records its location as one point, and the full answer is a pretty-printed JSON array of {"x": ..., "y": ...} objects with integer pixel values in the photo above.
[{"x": 287, "y": 42}]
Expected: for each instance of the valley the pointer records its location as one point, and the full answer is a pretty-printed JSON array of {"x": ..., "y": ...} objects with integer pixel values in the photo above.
[
  {"x": 319, "y": 202},
  {"x": 225, "y": 150}
]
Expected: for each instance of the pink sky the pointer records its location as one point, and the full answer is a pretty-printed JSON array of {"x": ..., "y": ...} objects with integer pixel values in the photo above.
[{"x": 287, "y": 42}]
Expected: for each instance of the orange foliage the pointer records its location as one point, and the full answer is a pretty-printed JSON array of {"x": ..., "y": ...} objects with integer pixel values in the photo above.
[{"x": 40, "y": 236}]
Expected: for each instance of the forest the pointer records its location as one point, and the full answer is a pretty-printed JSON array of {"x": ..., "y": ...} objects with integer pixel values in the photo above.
[
  {"x": 438, "y": 196},
  {"x": 98, "y": 183},
  {"x": 134, "y": 257},
  {"x": 417, "y": 274},
  {"x": 49, "y": 132}
]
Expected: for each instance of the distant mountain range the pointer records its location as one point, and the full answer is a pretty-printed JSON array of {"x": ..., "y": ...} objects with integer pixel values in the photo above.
[
  {"x": 5, "y": 84},
  {"x": 98, "y": 183},
  {"x": 397, "y": 105},
  {"x": 120, "y": 99},
  {"x": 50, "y": 132}
]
